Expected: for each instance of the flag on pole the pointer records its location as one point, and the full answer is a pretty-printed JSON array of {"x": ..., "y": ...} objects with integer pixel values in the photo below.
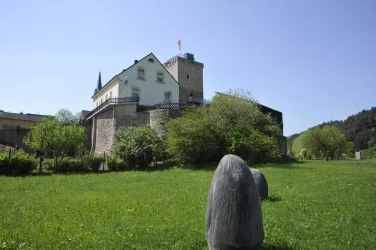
[{"x": 179, "y": 45}]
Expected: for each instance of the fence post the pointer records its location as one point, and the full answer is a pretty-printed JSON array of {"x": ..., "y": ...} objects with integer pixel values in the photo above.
[
  {"x": 40, "y": 164},
  {"x": 104, "y": 159}
]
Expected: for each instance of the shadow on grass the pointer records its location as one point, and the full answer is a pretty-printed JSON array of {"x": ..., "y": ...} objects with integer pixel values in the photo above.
[
  {"x": 200, "y": 245},
  {"x": 293, "y": 166},
  {"x": 26, "y": 175},
  {"x": 205, "y": 166},
  {"x": 204, "y": 246},
  {"x": 273, "y": 198},
  {"x": 275, "y": 247},
  {"x": 160, "y": 167},
  {"x": 41, "y": 174},
  {"x": 211, "y": 166}
]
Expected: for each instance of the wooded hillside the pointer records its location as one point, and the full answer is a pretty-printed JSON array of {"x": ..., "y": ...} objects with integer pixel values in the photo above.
[{"x": 359, "y": 129}]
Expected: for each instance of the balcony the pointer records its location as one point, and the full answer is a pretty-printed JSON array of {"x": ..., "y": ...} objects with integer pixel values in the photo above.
[{"x": 112, "y": 101}]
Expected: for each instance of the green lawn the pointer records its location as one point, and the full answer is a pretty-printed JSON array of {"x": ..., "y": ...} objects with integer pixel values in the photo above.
[{"x": 313, "y": 205}]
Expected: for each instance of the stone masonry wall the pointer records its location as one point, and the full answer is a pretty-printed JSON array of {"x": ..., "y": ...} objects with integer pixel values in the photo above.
[
  {"x": 190, "y": 79},
  {"x": 109, "y": 121},
  {"x": 127, "y": 116},
  {"x": 190, "y": 76},
  {"x": 159, "y": 117},
  {"x": 104, "y": 131}
]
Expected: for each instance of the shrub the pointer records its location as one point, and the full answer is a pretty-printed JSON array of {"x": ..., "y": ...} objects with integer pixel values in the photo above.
[
  {"x": 20, "y": 163},
  {"x": 369, "y": 152},
  {"x": 115, "y": 164},
  {"x": 326, "y": 142},
  {"x": 254, "y": 146},
  {"x": 4, "y": 164},
  {"x": 67, "y": 164},
  {"x": 192, "y": 137},
  {"x": 92, "y": 162},
  {"x": 85, "y": 163},
  {"x": 137, "y": 145},
  {"x": 264, "y": 148}
]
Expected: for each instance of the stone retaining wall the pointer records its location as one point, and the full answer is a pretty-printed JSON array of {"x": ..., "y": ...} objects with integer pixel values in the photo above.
[
  {"x": 104, "y": 131},
  {"x": 159, "y": 117},
  {"x": 120, "y": 116}
]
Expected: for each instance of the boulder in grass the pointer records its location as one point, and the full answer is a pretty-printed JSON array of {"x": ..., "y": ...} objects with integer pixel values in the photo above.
[
  {"x": 233, "y": 213},
  {"x": 261, "y": 183}
]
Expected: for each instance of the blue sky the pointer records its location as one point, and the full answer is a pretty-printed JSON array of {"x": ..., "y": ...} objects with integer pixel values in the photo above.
[{"x": 314, "y": 61}]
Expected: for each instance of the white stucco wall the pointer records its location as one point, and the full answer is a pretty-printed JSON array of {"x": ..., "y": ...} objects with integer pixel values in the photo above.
[
  {"x": 113, "y": 86},
  {"x": 150, "y": 91}
]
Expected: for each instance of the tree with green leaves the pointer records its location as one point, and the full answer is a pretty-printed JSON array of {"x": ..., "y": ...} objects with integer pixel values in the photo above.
[
  {"x": 300, "y": 147},
  {"x": 52, "y": 135},
  {"x": 328, "y": 141},
  {"x": 67, "y": 117},
  {"x": 45, "y": 136},
  {"x": 231, "y": 123},
  {"x": 359, "y": 128}
]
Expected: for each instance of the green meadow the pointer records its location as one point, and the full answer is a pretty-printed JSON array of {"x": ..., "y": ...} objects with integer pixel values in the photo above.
[{"x": 312, "y": 205}]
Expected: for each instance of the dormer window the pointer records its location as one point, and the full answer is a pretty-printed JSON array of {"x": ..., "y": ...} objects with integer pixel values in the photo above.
[
  {"x": 151, "y": 60},
  {"x": 160, "y": 77},
  {"x": 141, "y": 74}
]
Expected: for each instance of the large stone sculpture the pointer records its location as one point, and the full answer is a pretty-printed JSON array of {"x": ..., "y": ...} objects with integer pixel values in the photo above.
[
  {"x": 233, "y": 213},
  {"x": 261, "y": 183}
]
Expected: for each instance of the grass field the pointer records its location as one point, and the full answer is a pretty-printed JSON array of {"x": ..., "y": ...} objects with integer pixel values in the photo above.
[{"x": 313, "y": 205}]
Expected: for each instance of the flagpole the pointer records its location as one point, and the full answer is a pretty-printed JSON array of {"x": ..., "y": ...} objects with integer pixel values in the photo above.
[{"x": 179, "y": 46}]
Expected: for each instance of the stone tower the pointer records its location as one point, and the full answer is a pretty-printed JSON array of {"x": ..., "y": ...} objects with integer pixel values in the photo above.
[{"x": 189, "y": 74}]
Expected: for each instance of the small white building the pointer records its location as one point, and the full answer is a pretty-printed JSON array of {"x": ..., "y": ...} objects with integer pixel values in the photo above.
[{"x": 147, "y": 80}]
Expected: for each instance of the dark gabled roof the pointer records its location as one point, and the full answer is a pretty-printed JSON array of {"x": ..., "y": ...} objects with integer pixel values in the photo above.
[
  {"x": 131, "y": 67},
  {"x": 24, "y": 117}
]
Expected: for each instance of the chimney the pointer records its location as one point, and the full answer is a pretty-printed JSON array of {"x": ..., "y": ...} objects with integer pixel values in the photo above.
[{"x": 135, "y": 61}]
